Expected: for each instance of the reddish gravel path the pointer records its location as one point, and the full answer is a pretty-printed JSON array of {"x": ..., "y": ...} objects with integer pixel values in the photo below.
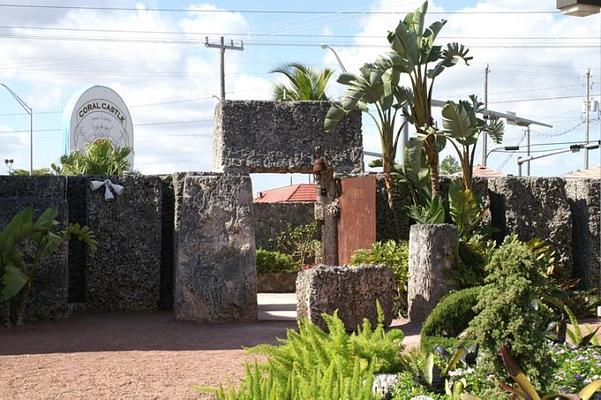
[{"x": 125, "y": 356}]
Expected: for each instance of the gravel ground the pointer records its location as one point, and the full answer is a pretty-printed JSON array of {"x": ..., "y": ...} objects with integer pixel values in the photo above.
[{"x": 125, "y": 356}]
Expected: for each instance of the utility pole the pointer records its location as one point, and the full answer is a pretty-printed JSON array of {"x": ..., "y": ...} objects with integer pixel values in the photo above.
[
  {"x": 587, "y": 116},
  {"x": 484, "y": 135},
  {"x": 223, "y": 47},
  {"x": 528, "y": 150}
]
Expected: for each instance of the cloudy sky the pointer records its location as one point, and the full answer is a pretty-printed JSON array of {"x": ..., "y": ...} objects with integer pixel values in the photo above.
[{"x": 157, "y": 62}]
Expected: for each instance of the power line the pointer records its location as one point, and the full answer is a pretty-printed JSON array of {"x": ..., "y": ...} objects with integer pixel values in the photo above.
[
  {"x": 538, "y": 99},
  {"x": 259, "y": 34},
  {"x": 140, "y": 124},
  {"x": 218, "y": 11},
  {"x": 535, "y": 90},
  {"x": 284, "y": 44}
]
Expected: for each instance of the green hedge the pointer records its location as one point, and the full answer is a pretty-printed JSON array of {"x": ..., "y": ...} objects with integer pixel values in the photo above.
[
  {"x": 452, "y": 314},
  {"x": 274, "y": 261}
]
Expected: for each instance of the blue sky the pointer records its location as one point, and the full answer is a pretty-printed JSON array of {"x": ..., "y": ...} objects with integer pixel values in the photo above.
[{"x": 175, "y": 135}]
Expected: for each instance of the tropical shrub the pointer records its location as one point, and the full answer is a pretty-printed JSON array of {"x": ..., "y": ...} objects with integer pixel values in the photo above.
[
  {"x": 298, "y": 241},
  {"x": 394, "y": 255},
  {"x": 99, "y": 158},
  {"x": 510, "y": 312},
  {"x": 474, "y": 253},
  {"x": 313, "y": 364},
  {"x": 24, "y": 243},
  {"x": 274, "y": 261},
  {"x": 452, "y": 314},
  {"x": 449, "y": 165},
  {"x": 303, "y": 83}
]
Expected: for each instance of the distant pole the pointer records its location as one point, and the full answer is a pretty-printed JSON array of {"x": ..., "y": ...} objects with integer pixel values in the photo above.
[
  {"x": 29, "y": 111},
  {"x": 223, "y": 47},
  {"x": 528, "y": 149},
  {"x": 484, "y": 135},
  {"x": 587, "y": 115}
]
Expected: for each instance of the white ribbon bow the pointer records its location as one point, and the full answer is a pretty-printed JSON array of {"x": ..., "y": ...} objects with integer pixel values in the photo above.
[{"x": 109, "y": 188}]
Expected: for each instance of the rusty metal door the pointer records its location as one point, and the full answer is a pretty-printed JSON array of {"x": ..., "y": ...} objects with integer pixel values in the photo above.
[{"x": 357, "y": 222}]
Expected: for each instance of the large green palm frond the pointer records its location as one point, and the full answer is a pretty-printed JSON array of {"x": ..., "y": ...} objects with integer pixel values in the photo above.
[{"x": 303, "y": 82}]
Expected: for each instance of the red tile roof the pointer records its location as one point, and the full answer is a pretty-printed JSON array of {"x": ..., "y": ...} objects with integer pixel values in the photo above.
[
  {"x": 293, "y": 193},
  {"x": 481, "y": 171},
  {"x": 591, "y": 173}
]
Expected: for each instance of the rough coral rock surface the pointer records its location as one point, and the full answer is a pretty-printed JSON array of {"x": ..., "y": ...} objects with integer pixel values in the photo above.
[
  {"x": 584, "y": 198},
  {"x": 432, "y": 251},
  {"x": 49, "y": 296},
  {"x": 535, "y": 207},
  {"x": 353, "y": 291},
  {"x": 125, "y": 273},
  {"x": 269, "y": 136},
  {"x": 215, "y": 277}
]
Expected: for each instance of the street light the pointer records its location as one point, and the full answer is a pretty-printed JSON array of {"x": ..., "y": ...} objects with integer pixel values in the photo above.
[
  {"x": 9, "y": 164},
  {"x": 579, "y": 8},
  {"x": 575, "y": 148},
  {"x": 29, "y": 111},
  {"x": 504, "y": 148},
  {"x": 325, "y": 46}
]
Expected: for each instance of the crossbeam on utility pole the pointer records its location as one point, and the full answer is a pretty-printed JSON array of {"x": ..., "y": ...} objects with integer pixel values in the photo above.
[{"x": 223, "y": 47}]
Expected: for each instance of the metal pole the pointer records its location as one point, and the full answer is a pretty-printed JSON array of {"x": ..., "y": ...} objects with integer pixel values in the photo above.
[
  {"x": 528, "y": 151},
  {"x": 222, "y": 66},
  {"x": 587, "y": 117},
  {"x": 325, "y": 46},
  {"x": 484, "y": 135},
  {"x": 31, "y": 141},
  {"x": 29, "y": 111},
  {"x": 519, "y": 166}
]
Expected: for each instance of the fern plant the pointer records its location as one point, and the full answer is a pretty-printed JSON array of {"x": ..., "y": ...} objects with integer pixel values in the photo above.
[
  {"x": 314, "y": 365},
  {"x": 24, "y": 243}
]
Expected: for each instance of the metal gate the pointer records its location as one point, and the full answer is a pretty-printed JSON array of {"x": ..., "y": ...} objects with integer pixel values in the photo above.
[{"x": 357, "y": 222}]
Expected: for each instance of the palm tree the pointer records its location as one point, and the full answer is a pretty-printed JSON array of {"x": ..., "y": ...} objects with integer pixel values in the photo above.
[{"x": 304, "y": 83}]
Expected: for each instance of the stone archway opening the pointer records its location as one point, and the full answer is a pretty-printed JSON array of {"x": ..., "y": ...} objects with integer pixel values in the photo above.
[{"x": 215, "y": 276}]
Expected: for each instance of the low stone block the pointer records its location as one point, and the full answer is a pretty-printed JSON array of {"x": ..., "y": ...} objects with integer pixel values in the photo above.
[
  {"x": 125, "y": 273},
  {"x": 353, "y": 291},
  {"x": 215, "y": 277},
  {"x": 432, "y": 251}
]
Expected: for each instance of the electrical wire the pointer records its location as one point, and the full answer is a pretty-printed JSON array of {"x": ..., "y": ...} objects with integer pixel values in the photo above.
[
  {"x": 537, "y": 99},
  {"x": 290, "y": 35},
  {"x": 220, "y": 11}
]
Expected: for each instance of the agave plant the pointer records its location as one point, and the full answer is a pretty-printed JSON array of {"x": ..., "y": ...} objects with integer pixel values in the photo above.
[
  {"x": 304, "y": 83},
  {"x": 435, "y": 378},
  {"x": 24, "y": 243},
  {"x": 575, "y": 333}
]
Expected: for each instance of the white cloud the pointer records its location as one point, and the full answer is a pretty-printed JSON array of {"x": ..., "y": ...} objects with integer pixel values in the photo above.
[{"x": 141, "y": 72}]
